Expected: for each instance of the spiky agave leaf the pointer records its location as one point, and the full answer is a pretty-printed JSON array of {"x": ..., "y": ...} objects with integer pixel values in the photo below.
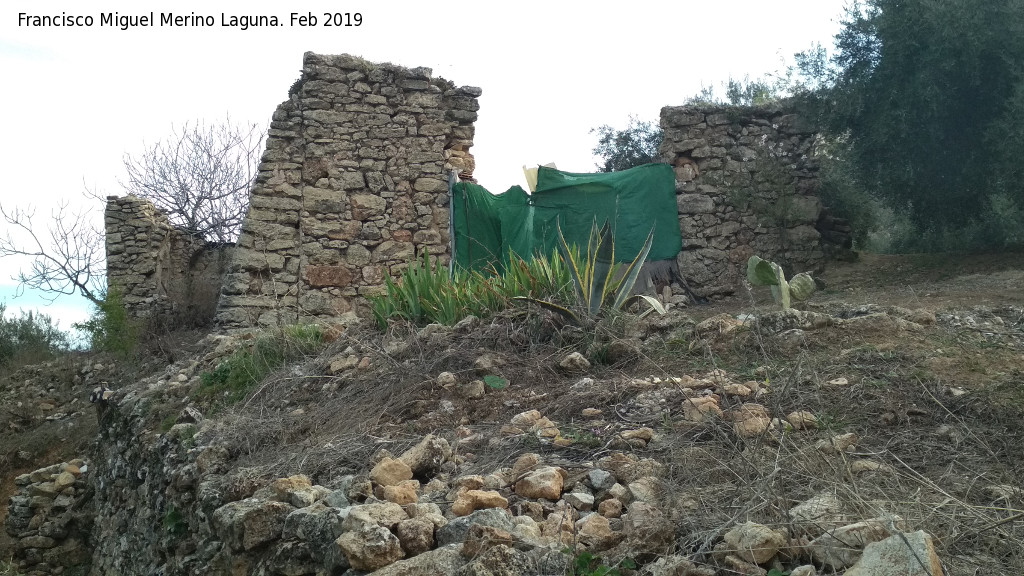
[
  {"x": 603, "y": 268},
  {"x": 573, "y": 264},
  {"x": 654, "y": 305},
  {"x": 562, "y": 310},
  {"x": 593, "y": 273},
  {"x": 592, "y": 269},
  {"x": 625, "y": 286}
]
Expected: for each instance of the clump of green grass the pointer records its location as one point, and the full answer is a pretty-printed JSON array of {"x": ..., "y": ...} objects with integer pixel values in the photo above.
[
  {"x": 433, "y": 293},
  {"x": 167, "y": 423},
  {"x": 236, "y": 376},
  {"x": 587, "y": 564},
  {"x": 9, "y": 568}
]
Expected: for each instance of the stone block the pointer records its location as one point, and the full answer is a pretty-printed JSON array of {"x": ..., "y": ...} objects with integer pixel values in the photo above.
[
  {"x": 321, "y": 276},
  {"x": 430, "y": 185},
  {"x": 351, "y": 180},
  {"x": 367, "y": 206},
  {"x": 695, "y": 204},
  {"x": 255, "y": 261},
  {"x": 672, "y": 116},
  {"x": 390, "y": 251}
]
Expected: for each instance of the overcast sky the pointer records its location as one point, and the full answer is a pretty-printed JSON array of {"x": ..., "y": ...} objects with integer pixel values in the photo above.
[{"x": 76, "y": 99}]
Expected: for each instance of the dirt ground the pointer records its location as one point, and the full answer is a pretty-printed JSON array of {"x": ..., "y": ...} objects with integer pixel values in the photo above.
[{"x": 937, "y": 407}]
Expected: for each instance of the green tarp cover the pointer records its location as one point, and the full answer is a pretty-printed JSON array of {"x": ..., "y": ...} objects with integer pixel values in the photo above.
[{"x": 488, "y": 226}]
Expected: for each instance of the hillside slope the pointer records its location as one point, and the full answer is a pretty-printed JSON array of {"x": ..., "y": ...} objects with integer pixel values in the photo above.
[{"x": 887, "y": 410}]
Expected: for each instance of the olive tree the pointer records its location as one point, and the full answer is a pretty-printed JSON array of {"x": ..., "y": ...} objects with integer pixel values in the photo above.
[{"x": 621, "y": 149}]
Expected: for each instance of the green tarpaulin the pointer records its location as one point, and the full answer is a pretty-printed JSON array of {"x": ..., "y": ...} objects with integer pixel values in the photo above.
[{"x": 488, "y": 226}]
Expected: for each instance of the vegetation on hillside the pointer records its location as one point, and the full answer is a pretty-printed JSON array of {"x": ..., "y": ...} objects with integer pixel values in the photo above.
[
  {"x": 28, "y": 337},
  {"x": 577, "y": 284},
  {"x": 632, "y": 146},
  {"x": 921, "y": 111},
  {"x": 233, "y": 379},
  {"x": 111, "y": 328},
  {"x": 929, "y": 97}
]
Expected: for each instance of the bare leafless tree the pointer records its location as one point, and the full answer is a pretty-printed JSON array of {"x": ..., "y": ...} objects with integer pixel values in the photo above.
[
  {"x": 200, "y": 176},
  {"x": 67, "y": 258}
]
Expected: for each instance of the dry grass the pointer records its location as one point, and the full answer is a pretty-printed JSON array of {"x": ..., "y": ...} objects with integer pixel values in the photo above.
[{"x": 951, "y": 464}]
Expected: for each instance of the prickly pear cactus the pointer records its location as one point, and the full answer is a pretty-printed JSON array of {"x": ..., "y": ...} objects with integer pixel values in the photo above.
[
  {"x": 764, "y": 273},
  {"x": 802, "y": 286}
]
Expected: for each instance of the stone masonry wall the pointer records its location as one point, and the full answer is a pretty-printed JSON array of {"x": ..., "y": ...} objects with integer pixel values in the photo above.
[
  {"x": 49, "y": 521},
  {"x": 352, "y": 184},
  {"x": 746, "y": 183},
  {"x": 163, "y": 274}
]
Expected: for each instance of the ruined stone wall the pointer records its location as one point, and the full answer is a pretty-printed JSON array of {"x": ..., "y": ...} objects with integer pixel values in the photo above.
[
  {"x": 164, "y": 274},
  {"x": 352, "y": 184},
  {"x": 746, "y": 183},
  {"x": 48, "y": 521}
]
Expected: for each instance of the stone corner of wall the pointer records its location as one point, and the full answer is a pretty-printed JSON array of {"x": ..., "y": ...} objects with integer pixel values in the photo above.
[
  {"x": 353, "y": 183},
  {"x": 165, "y": 275},
  {"x": 746, "y": 183}
]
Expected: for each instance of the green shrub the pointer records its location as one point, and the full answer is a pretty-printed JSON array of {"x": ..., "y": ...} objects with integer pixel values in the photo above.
[
  {"x": 174, "y": 523},
  {"x": 1003, "y": 222},
  {"x": 841, "y": 191},
  {"x": 110, "y": 329},
  {"x": 587, "y": 564},
  {"x": 30, "y": 337},
  {"x": 1000, "y": 227},
  {"x": 236, "y": 376}
]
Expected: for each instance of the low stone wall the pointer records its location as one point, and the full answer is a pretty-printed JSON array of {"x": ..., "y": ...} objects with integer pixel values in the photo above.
[
  {"x": 746, "y": 183},
  {"x": 352, "y": 184},
  {"x": 49, "y": 521},
  {"x": 164, "y": 274}
]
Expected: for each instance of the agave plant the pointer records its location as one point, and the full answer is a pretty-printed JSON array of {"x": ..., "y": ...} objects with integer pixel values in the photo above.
[
  {"x": 598, "y": 283},
  {"x": 764, "y": 273}
]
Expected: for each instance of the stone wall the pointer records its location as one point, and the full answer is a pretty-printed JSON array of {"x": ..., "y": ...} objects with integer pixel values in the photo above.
[
  {"x": 746, "y": 183},
  {"x": 164, "y": 274},
  {"x": 352, "y": 184},
  {"x": 50, "y": 522}
]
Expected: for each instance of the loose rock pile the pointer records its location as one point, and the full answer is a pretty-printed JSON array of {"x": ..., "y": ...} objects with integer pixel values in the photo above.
[
  {"x": 50, "y": 392},
  {"x": 175, "y": 502},
  {"x": 412, "y": 514}
]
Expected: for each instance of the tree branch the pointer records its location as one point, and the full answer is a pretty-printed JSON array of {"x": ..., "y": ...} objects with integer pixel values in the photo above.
[
  {"x": 200, "y": 176},
  {"x": 69, "y": 258}
]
